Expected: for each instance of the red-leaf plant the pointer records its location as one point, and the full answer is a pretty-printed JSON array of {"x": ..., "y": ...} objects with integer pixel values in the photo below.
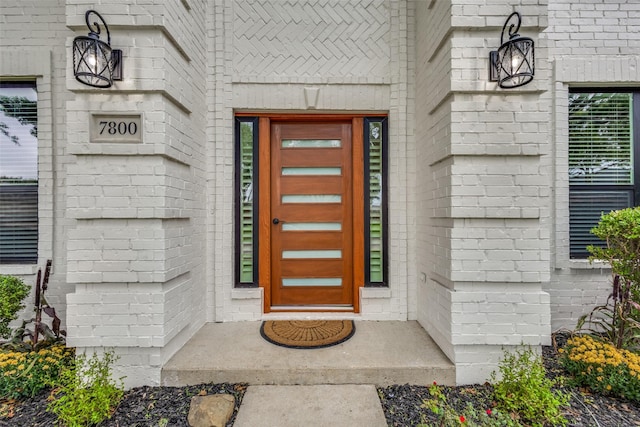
[{"x": 41, "y": 334}]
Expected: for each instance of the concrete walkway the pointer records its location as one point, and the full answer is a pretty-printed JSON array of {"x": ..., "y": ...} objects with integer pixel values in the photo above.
[
  {"x": 312, "y": 406},
  {"x": 333, "y": 386},
  {"x": 380, "y": 353}
]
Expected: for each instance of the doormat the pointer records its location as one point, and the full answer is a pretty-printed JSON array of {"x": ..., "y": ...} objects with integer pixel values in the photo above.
[{"x": 307, "y": 333}]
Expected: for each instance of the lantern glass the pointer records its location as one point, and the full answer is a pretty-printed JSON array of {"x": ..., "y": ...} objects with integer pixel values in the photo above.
[
  {"x": 515, "y": 62},
  {"x": 92, "y": 62}
]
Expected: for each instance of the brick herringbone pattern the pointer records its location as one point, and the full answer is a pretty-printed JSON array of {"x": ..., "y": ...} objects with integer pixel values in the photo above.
[{"x": 311, "y": 38}]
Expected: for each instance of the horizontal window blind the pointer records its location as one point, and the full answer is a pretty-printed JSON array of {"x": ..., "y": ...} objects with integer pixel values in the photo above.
[
  {"x": 601, "y": 173},
  {"x": 246, "y": 234},
  {"x": 18, "y": 173},
  {"x": 19, "y": 224},
  {"x": 600, "y": 138},
  {"x": 585, "y": 209},
  {"x": 376, "y": 208}
]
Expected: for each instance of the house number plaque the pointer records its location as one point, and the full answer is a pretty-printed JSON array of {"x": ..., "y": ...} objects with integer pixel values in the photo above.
[{"x": 116, "y": 128}]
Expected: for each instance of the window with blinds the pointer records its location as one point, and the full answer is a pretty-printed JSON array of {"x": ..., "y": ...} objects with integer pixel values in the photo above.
[
  {"x": 603, "y": 159},
  {"x": 18, "y": 173},
  {"x": 246, "y": 210},
  {"x": 375, "y": 172}
]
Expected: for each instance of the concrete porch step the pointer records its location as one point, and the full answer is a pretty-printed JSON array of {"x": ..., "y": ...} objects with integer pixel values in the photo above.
[{"x": 381, "y": 353}]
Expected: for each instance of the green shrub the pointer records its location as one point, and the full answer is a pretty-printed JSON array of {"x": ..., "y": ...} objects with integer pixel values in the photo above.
[
  {"x": 12, "y": 292},
  {"x": 602, "y": 367},
  {"x": 621, "y": 230},
  {"x": 618, "y": 319},
  {"x": 86, "y": 394},
  {"x": 526, "y": 392},
  {"x": 24, "y": 374}
]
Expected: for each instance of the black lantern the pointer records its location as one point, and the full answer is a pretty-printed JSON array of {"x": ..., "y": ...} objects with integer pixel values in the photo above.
[
  {"x": 94, "y": 62},
  {"x": 512, "y": 64}
]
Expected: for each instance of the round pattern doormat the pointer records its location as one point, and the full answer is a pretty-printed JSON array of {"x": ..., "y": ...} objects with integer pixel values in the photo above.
[{"x": 307, "y": 333}]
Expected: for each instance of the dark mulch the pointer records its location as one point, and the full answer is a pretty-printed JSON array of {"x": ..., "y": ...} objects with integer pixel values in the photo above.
[
  {"x": 169, "y": 406},
  {"x": 140, "y": 407},
  {"x": 401, "y": 403}
]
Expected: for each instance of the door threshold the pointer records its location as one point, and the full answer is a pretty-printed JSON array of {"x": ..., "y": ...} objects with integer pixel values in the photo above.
[
  {"x": 312, "y": 308},
  {"x": 327, "y": 314}
]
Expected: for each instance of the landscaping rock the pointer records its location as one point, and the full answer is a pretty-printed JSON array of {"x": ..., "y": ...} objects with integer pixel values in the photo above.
[{"x": 211, "y": 411}]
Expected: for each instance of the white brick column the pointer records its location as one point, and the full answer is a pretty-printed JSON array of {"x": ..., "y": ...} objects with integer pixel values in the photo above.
[
  {"x": 135, "y": 246},
  {"x": 483, "y": 188}
]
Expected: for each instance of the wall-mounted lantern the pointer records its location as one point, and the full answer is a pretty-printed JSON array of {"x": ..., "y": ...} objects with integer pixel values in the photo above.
[
  {"x": 512, "y": 64},
  {"x": 94, "y": 62}
]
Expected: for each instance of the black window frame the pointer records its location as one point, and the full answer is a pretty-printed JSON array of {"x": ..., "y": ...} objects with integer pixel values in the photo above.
[
  {"x": 255, "y": 182},
  {"x": 384, "y": 202},
  {"x": 237, "y": 204}
]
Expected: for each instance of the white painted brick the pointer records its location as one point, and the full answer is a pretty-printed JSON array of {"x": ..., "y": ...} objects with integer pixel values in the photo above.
[
  {"x": 602, "y": 51},
  {"x": 471, "y": 166}
]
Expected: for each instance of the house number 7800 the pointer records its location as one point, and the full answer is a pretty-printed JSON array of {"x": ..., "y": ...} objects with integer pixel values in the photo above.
[{"x": 118, "y": 128}]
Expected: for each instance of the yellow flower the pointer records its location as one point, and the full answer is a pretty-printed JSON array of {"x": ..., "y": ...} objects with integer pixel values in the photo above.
[
  {"x": 608, "y": 386},
  {"x": 21, "y": 367},
  {"x": 45, "y": 367}
]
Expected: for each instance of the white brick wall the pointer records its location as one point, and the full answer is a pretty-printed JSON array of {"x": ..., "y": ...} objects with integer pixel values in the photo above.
[
  {"x": 332, "y": 42},
  {"x": 593, "y": 43},
  {"x": 477, "y": 174},
  {"x": 148, "y": 187},
  {"x": 144, "y": 315},
  {"x": 475, "y": 363}
]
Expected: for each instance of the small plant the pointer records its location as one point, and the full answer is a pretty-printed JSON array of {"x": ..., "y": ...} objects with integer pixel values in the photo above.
[
  {"x": 439, "y": 406},
  {"x": 448, "y": 416},
  {"x": 602, "y": 367},
  {"x": 526, "y": 392},
  {"x": 86, "y": 394},
  {"x": 12, "y": 292},
  {"x": 618, "y": 319},
  {"x": 24, "y": 374}
]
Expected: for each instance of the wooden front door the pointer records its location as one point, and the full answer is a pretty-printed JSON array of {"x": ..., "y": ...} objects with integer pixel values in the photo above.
[{"x": 311, "y": 214}]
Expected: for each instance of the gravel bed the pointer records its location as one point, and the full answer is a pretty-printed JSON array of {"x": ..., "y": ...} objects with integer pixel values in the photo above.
[
  {"x": 401, "y": 403},
  {"x": 140, "y": 407}
]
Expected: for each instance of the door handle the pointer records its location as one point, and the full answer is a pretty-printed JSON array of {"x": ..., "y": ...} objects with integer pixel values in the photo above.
[{"x": 276, "y": 221}]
